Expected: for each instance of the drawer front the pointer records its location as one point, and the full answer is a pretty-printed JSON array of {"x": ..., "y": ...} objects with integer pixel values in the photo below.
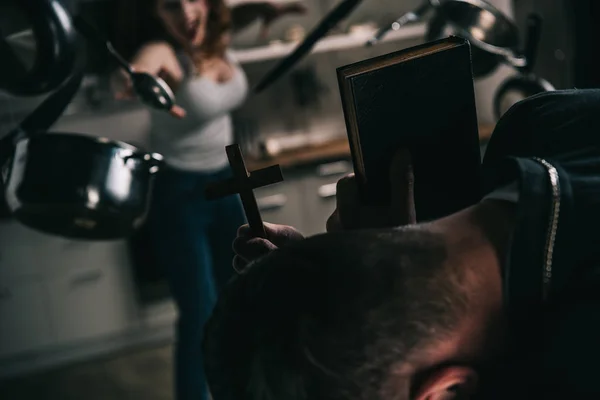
[
  {"x": 93, "y": 300},
  {"x": 24, "y": 322},
  {"x": 25, "y": 254},
  {"x": 282, "y": 204}
]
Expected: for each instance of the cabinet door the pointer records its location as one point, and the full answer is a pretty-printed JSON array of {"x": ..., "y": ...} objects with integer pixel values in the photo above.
[
  {"x": 319, "y": 194},
  {"x": 92, "y": 300},
  {"x": 24, "y": 323},
  {"x": 20, "y": 249},
  {"x": 282, "y": 203}
]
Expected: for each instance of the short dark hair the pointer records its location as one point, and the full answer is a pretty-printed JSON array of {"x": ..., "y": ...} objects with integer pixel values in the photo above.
[{"x": 326, "y": 318}]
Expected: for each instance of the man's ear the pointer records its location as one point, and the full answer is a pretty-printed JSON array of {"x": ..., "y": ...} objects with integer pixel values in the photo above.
[{"x": 448, "y": 383}]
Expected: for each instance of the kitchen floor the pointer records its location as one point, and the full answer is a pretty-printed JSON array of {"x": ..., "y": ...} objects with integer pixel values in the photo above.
[{"x": 144, "y": 374}]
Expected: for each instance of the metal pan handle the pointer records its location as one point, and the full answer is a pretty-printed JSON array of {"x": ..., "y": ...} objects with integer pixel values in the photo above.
[{"x": 411, "y": 16}]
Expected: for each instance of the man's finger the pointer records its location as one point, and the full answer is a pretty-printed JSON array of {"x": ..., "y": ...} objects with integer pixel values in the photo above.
[
  {"x": 280, "y": 235},
  {"x": 333, "y": 223},
  {"x": 402, "y": 205},
  {"x": 239, "y": 264},
  {"x": 252, "y": 249},
  {"x": 347, "y": 201}
]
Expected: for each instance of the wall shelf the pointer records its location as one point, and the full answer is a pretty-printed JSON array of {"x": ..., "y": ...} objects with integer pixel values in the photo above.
[{"x": 330, "y": 43}]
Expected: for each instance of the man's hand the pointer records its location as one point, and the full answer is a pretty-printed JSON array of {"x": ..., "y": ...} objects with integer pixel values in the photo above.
[
  {"x": 351, "y": 214},
  {"x": 248, "y": 248}
]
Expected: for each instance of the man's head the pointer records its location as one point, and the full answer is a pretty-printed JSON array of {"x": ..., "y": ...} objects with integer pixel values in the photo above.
[{"x": 353, "y": 316}]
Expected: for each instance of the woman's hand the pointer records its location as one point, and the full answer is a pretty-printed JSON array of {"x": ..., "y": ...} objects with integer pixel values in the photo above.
[
  {"x": 157, "y": 59},
  {"x": 121, "y": 85},
  {"x": 122, "y": 88},
  {"x": 248, "y": 248},
  {"x": 351, "y": 214}
]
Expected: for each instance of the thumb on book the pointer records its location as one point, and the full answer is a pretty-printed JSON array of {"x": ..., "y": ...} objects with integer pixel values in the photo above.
[{"x": 402, "y": 181}]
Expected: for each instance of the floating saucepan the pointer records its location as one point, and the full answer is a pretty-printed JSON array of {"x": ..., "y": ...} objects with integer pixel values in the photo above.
[
  {"x": 73, "y": 185},
  {"x": 45, "y": 26},
  {"x": 493, "y": 37}
]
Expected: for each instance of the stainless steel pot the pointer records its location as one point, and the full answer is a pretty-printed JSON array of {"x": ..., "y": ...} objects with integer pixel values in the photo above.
[
  {"x": 48, "y": 25},
  {"x": 486, "y": 28},
  {"x": 73, "y": 185},
  {"x": 494, "y": 38},
  {"x": 463, "y": 18},
  {"x": 79, "y": 186}
]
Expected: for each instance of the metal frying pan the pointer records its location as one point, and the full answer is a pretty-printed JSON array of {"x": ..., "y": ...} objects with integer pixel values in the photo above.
[
  {"x": 54, "y": 39},
  {"x": 486, "y": 28},
  {"x": 330, "y": 21},
  {"x": 525, "y": 83},
  {"x": 505, "y": 34}
]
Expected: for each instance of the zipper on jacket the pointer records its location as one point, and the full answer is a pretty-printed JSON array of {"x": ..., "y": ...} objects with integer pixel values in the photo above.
[{"x": 552, "y": 225}]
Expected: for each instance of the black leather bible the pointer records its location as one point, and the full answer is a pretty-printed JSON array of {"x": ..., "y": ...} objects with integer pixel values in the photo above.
[{"x": 422, "y": 99}]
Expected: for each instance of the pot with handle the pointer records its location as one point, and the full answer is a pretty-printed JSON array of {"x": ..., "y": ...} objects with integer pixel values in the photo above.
[
  {"x": 494, "y": 37},
  {"x": 46, "y": 22},
  {"x": 74, "y": 185}
]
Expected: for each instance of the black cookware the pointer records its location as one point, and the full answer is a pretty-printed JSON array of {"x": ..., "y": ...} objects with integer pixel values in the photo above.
[
  {"x": 49, "y": 26},
  {"x": 73, "y": 185},
  {"x": 494, "y": 38}
]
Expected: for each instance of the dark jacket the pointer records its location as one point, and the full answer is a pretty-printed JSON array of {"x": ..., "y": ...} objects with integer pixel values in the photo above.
[{"x": 550, "y": 144}]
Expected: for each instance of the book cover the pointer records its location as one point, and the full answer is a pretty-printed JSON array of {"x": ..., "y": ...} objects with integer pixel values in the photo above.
[{"x": 422, "y": 99}]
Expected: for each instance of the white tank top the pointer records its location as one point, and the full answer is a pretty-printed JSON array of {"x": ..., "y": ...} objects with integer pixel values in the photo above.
[{"x": 197, "y": 142}]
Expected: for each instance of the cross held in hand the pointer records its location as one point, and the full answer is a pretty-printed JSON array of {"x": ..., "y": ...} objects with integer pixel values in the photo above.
[{"x": 244, "y": 183}]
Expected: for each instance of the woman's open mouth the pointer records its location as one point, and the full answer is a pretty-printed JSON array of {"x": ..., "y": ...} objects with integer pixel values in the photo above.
[{"x": 191, "y": 30}]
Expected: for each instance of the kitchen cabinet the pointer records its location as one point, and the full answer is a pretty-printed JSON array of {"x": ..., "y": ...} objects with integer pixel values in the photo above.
[
  {"x": 24, "y": 321},
  {"x": 87, "y": 303},
  {"x": 282, "y": 203}
]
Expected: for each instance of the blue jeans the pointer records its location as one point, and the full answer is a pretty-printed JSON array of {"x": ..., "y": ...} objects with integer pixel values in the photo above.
[{"x": 192, "y": 238}]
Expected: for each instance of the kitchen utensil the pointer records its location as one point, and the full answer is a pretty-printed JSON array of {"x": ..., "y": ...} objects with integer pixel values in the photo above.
[
  {"x": 73, "y": 185},
  {"x": 525, "y": 83},
  {"x": 484, "y": 62},
  {"x": 151, "y": 90},
  {"x": 411, "y": 16},
  {"x": 330, "y": 21},
  {"x": 486, "y": 27},
  {"x": 55, "y": 47}
]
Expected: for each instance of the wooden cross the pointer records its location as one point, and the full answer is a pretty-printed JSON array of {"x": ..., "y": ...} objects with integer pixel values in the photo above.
[{"x": 244, "y": 183}]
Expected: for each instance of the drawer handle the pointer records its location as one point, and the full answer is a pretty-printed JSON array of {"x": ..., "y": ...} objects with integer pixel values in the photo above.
[
  {"x": 89, "y": 277},
  {"x": 271, "y": 203},
  {"x": 5, "y": 294},
  {"x": 327, "y": 191},
  {"x": 335, "y": 168}
]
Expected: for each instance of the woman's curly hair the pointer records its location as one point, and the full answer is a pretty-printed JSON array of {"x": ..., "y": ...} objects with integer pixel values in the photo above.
[{"x": 137, "y": 24}]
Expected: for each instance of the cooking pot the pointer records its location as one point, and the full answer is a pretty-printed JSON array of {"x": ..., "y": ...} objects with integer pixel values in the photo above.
[
  {"x": 47, "y": 27},
  {"x": 73, "y": 185},
  {"x": 78, "y": 186},
  {"x": 494, "y": 38},
  {"x": 487, "y": 29}
]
